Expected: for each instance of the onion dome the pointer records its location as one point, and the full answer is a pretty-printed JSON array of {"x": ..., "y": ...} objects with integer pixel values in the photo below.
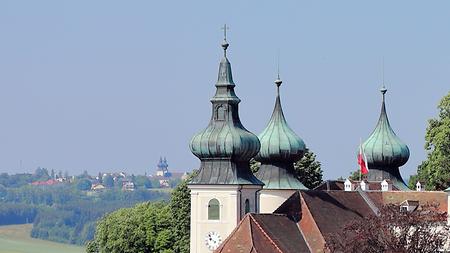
[
  {"x": 384, "y": 151},
  {"x": 278, "y": 141},
  {"x": 280, "y": 148},
  {"x": 225, "y": 146}
]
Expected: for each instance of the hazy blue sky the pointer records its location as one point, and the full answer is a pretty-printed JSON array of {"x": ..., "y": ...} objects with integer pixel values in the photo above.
[{"x": 111, "y": 85}]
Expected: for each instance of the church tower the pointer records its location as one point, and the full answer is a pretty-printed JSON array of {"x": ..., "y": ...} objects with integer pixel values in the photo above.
[
  {"x": 280, "y": 148},
  {"x": 385, "y": 152},
  {"x": 224, "y": 189}
]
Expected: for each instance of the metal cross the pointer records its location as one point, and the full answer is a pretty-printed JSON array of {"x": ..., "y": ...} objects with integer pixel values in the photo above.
[{"x": 225, "y": 28}]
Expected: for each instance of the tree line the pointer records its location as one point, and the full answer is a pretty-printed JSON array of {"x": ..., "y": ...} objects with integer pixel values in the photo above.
[{"x": 63, "y": 212}]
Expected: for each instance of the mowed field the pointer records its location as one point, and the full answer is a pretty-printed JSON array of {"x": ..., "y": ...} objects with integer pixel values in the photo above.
[{"x": 16, "y": 239}]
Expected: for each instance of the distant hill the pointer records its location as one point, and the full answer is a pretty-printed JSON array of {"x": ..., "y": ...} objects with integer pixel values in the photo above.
[{"x": 16, "y": 239}]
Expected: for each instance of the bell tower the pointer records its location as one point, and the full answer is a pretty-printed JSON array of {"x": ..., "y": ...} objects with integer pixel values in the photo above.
[{"x": 224, "y": 189}]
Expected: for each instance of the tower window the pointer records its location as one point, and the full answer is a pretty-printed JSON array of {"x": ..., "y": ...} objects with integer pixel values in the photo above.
[
  {"x": 213, "y": 209},
  {"x": 247, "y": 206},
  {"x": 220, "y": 112}
]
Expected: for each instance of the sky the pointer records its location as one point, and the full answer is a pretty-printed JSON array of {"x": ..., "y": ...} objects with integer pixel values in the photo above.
[{"x": 113, "y": 85}]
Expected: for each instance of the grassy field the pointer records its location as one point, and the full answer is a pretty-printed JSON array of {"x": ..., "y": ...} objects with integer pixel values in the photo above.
[{"x": 16, "y": 239}]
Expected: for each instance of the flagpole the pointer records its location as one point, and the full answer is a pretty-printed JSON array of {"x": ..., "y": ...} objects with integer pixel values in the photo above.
[{"x": 360, "y": 148}]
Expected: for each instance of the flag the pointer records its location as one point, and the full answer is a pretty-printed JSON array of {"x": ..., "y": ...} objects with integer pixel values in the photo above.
[{"x": 362, "y": 161}]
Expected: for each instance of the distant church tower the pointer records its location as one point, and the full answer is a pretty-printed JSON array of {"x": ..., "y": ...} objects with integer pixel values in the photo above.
[
  {"x": 224, "y": 189},
  {"x": 163, "y": 168},
  {"x": 280, "y": 148},
  {"x": 385, "y": 152}
]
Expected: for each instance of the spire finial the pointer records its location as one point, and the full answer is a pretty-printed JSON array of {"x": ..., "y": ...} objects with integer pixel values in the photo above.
[
  {"x": 383, "y": 87},
  {"x": 278, "y": 81},
  {"x": 225, "y": 43},
  {"x": 382, "y": 71}
]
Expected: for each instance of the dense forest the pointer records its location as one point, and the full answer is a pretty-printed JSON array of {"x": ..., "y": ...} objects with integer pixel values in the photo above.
[{"x": 64, "y": 212}]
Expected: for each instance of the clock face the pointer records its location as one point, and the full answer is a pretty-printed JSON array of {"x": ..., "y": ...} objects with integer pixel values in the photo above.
[{"x": 213, "y": 240}]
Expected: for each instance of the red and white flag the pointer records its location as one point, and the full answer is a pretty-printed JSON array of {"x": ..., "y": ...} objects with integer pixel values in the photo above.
[{"x": 362, "y": 161}]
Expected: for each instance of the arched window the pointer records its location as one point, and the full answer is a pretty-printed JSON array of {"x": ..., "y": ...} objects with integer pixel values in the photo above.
[
  {"x": 247, "y": 206},
  {"x": 220, "y": 112},
  {"x": 213, "y": 209}
]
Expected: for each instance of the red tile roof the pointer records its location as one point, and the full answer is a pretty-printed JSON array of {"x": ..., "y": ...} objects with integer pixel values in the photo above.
[
  {"x": 304, "y": 222},
  {"x": 265, "y": 233}
]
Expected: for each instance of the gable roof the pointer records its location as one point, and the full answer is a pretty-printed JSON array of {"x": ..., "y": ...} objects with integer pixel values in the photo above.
[
  {"x": 265, "y": 233},
  {"x": 332, "y": 210}
]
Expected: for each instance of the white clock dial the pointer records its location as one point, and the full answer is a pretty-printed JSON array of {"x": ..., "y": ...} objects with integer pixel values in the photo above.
[{"x": 213, "y": 240}]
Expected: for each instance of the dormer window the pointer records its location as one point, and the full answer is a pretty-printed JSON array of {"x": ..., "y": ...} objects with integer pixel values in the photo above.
[
  {"x": 418, "y": 186},
  {"x": 364, "y": 186},
  {"x": 409, "y": 205},
  {"x": 347, "y": 185},
  {"x": 384, "y": 186}
]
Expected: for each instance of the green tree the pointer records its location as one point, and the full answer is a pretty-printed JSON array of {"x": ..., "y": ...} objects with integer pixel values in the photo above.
[
  {"x": 41, "y": 174},
  {"x": 108, "y": 181},
  {"x": 143, "y": 181},
  {"x": 84, "y": 184},
  {"x": 147, "y": 227},
  {"x": 412, "y": 181},
  {"x": 435, "y": 170},
  {"x": 355, "y": 175},
  {"x": 91, "y": 247},
  {"x": 3, "y": 192},
  {"x": 143, "y": 228},
  {"x": 308, "y": 170},
  {"x": 180, "y": 207}
]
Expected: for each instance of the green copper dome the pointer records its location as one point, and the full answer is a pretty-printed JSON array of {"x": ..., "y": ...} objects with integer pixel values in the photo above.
[
  {"x": 225, "y": 146},
  {"x": 278, "y": 141},
  {"x": 225, "y": 136},
  {"x": 280, "y": 148},
  {"x": 383, "y": 148}
]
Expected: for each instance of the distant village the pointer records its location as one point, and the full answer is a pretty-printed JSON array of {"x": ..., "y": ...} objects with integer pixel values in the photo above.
[{"x": 162, "y": 178}]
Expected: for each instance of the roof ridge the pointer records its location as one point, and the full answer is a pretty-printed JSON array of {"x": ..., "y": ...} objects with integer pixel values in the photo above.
[
  {"x": 304, "y": 238},
  {"x": 264, "y": 233},
  {"x": 267, "y": 214},
  {"x": 368, "y": 201}
]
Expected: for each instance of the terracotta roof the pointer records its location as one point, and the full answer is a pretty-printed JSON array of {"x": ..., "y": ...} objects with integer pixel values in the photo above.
[
  {"x": 330, "y": 185},
  {"x": 320, "y": 213},
  {"x": 424, "y": 197},
  {"x": 261, "y": 233},
  {"x": 332, "y": 210},
  {"x": 48, "y": 182},
  {"x": 304, "y": 221}
]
